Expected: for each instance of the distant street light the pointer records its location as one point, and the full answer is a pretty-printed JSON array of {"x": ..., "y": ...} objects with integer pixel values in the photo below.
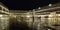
[
  {"x": 39, "y": 8},
  {"x": 50, "y": 5},
  {"x": 28, "y": 15}
]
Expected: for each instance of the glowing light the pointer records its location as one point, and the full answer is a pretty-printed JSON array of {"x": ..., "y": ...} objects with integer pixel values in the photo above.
[
  {"x": 48, "y": 29},
  {"x": 58, "y": 14},
  {"x": 39, "y": 8},
  {"x": 28, "y": 16},
  {"x": 1, "y": 15},
  {"x": 50, "y": 15},
  {"x": 50, "y": 5}
]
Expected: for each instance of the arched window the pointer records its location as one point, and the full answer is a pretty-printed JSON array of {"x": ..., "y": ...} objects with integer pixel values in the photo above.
[{"x": 5, "y": 10}]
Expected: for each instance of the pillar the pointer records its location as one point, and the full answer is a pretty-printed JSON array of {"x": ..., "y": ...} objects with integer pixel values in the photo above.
[{"x": 43, "y": 22}]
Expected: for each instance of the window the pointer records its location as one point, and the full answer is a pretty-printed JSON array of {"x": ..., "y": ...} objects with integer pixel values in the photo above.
[{"x": 5, "y": 10}]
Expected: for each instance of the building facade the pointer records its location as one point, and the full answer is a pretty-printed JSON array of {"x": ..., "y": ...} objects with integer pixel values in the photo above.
[
  {"x": 44, "y": 18},
  {"x": 4, "y": 17}
]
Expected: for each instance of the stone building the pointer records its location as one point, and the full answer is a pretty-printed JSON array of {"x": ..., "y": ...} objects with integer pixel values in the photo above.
[
  {"x": 49, "y": 17},
  {"x": 44, "y": 18},
  {"x": 4, "y": 19}
]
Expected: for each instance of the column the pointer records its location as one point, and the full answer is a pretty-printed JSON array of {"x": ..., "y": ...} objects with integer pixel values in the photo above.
[
  {"x": 39, "y": 21},
  {"x": 42, "y": 23}
]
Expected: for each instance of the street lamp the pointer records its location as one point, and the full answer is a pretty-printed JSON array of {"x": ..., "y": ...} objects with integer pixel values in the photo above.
[
  {"x": 39, "y": 7},
  {"x": 50, "y": 5}
]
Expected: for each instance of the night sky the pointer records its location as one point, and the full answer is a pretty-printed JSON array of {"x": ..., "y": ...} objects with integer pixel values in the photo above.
[{"x": 26, "y": 4}]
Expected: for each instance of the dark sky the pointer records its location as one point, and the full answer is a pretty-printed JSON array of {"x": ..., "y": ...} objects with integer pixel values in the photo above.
[{"x": 26, "y": 4}]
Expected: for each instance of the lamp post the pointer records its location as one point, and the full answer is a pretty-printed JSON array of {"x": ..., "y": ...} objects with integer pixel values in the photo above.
[{"x": 33, "y": 15}]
